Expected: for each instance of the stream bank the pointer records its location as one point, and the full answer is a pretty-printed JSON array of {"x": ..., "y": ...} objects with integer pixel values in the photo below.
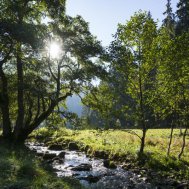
[{"x": 94, "y": 173}]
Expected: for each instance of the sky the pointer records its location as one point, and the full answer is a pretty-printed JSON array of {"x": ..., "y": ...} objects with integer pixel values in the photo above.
[{"x": 104, "y": 15}]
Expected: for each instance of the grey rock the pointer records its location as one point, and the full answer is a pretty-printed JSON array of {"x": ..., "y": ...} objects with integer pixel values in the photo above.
[
  {"x": 40, "y": 154},
  {"x": 183, "y": 186},
  {"x": 47, "y": 156},
  {"x": 109, "y": 164},
  {"x": 91, "y": 178},
  {"x": 82, "y": 167},
  {"x": 73, "y": 146},
  {"x": 55, "y": 147},
  {"x": 101, "y": 154},
  {"x": 62, "y": 154},
  {"x": 57, "y": 160}
]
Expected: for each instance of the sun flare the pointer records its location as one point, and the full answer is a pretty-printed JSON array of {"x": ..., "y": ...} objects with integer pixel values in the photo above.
[{"x": 54, "y": 50}]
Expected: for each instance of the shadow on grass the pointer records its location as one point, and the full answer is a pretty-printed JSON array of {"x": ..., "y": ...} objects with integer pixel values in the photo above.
[
  {"x": 21, "y": 169},
  {"x": 166, "y": 165}
]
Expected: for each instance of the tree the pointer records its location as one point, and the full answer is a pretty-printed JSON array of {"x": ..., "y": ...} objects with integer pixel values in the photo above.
[
  {"x": 118, "y": 56},
  {"x": 132, "y": 74},
  {"x": 137, "y": 35},
  {"x": 109, "y": 100},
  {"x": 183, "y": 16},
  {"x": 42, "y": 82},
  {"x": 172, "y": 82},
  {"x": 90, "y": 118},
  {"x": 164, "y": 101},
  {"x": 169, "y": 21},
  {"x": 101, "y": 99}
]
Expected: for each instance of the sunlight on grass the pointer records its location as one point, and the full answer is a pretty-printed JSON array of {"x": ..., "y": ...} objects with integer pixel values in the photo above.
[{"x": 123, "y": 145}]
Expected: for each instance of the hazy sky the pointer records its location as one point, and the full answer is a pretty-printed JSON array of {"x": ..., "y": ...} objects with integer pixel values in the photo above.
[{"x": 104, "y": 15}]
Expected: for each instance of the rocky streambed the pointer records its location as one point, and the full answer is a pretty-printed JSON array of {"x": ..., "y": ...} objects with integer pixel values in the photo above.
[{"x": 96, "y": 173}]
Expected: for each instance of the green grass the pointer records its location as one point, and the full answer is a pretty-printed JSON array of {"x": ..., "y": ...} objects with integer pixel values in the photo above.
[
  {"x": 123, "y": 146},
  {"x": 20, "y": 169}
]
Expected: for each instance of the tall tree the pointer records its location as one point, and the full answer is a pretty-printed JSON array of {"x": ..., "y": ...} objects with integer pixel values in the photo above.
[
  {"x": 169, "y": 21},
  {"x": 33, "y": 84},
  {"x": 183, "y": 16},
  {"x": 138, "y": 35},
  {"x": 132, "y": 71},
  {"x": 171, "y": 98}
]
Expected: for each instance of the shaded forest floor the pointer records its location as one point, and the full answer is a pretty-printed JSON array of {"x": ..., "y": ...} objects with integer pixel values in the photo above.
[
  {"x": 119, "y": 146},
  {"x": 21, "y": 169}
]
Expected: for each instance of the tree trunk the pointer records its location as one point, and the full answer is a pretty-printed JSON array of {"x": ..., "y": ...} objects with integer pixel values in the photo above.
[
  {"x": 142, "y": 144},
  {"x": 24, "y": 132},
  {"x": 142, "y": 117},
  {"x": 4, "y": 104},
  {"x": 183, "y": 143},
  {"x": 20, "y": 96},
  {"x": 171, "y": 138}
]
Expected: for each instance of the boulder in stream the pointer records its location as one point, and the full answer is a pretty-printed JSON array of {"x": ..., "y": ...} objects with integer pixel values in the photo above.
[
  {"x": 57, "y": 160},
  {"x": 73, "y": 146},
  {"x": 183, "y": 186},
  {"x": 101, "y": 154},
  {"x": 55, "y": 147},
  {"x": 109, "y": 164},
  {"x": 82, "y": 167},
  {"x": 91, "y": 178},
  {"x": 62, "y": 154},
  {"x": 41, "y": 154},
  {"x": 47, "y": 156}
]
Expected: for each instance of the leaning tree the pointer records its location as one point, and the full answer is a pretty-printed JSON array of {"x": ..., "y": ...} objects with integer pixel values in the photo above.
[{"x": 45, "y": 57}]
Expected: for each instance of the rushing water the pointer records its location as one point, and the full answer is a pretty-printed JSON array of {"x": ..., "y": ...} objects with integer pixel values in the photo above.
[{"x": 98, "y": 177}]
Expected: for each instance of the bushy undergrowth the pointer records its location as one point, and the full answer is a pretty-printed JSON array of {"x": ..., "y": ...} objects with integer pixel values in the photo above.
[
  {"x": 48, "y": 133},
  {"x": 20, "y": 169}
]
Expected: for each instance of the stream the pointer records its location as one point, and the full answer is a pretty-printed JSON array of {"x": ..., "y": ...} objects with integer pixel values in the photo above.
[{"x": 91, "y": 171}]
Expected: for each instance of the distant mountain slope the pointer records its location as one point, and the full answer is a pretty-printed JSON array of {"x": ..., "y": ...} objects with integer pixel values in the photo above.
[{"x": 74, "y": 105}]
